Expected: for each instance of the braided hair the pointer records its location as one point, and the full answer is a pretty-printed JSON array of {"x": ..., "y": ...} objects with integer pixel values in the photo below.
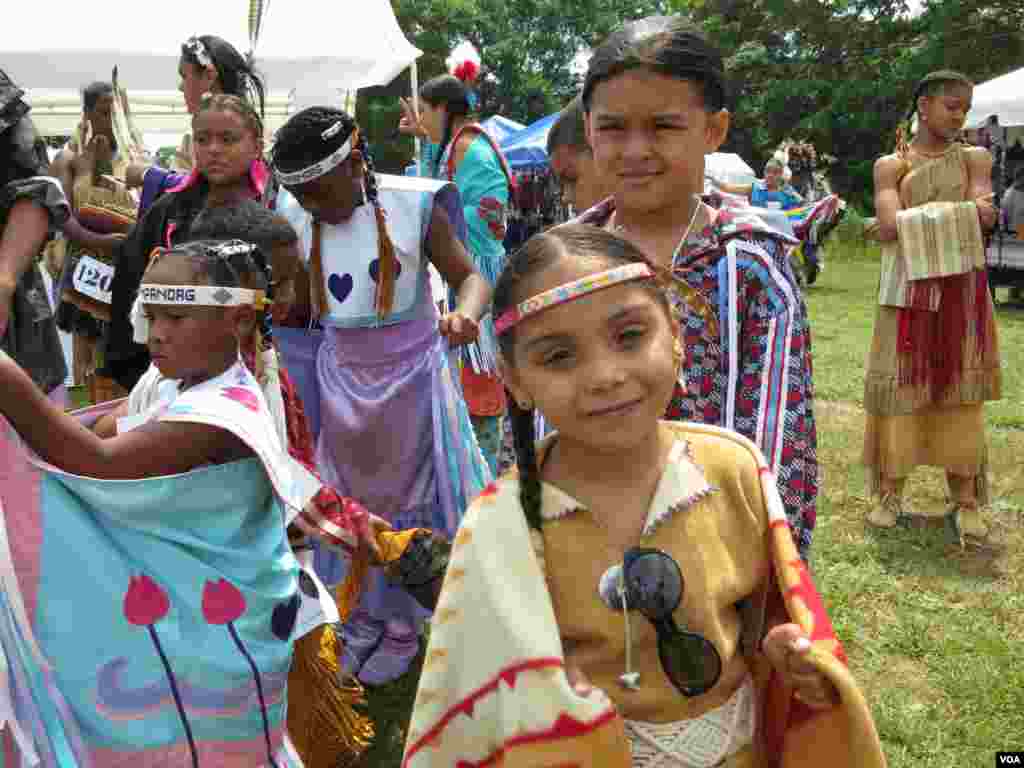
[
  {"x": 223, "y": 102},
  {"x": 220, "y": 265},
  {"x": 605, "y": 250},
  {"x": 451, "y": 93},
  {"x": 234, "y": 73},
  {"x": 251, "y": 222},
  {"x": 930, "y": 85},
  {"x": 307, "y": 138}
]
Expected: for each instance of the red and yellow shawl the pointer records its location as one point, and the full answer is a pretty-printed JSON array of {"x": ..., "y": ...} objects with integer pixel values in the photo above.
[{"x": 494, "y": 691}]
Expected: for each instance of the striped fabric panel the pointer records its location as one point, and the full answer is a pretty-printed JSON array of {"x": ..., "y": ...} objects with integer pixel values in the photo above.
[
  {"x": 940, "y": 239},
  {"x": 935, "y": 240}
]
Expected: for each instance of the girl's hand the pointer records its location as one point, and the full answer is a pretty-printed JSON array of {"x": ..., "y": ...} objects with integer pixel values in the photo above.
[
  {"x": 410, "y": 124},
  {"x": 458, "y": 328},
  {"x": 581, "y": 686},
  {"x": 368, "y": 538},
  {"x": 786, "y": 647}
]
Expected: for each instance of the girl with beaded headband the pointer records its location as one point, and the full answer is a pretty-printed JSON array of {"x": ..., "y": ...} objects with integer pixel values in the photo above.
[
  {"x": 655, "y": 101},
  {"x": 392, "y": 426},
  {"x": 566, "y": 631},
  {"x": 182, "y": 650},
  {"x": 934, "y": 356},
  {"x": 460, "y": 150},
  {"x": 323, "y": 724}
]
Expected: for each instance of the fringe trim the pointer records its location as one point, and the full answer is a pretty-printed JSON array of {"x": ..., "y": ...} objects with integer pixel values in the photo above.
[
  {"x": 982, "y": 487},
  {"x": 482, "y": 354},
  {"x": 885, "y": 396},
  {"x": 323, "y": 723},
  {"x": 981, "y": 483}
]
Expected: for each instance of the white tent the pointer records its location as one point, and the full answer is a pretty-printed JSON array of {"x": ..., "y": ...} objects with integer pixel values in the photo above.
[
  {"x": 1002, "y": 97},
  {"x": 308, "y": 48},
  {"x": 728, "y": 167}
]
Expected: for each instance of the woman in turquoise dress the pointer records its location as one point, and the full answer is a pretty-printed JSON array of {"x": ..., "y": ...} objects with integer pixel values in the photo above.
[{"x": 459, "y": 150}]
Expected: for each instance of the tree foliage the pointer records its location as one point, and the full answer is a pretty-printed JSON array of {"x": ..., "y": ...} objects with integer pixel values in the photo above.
[
  {"x": 837, "y": 73},
  {"x": 841, "y": 73}
]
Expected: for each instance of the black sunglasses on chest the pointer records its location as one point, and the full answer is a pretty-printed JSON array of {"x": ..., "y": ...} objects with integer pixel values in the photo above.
[{"x": 650, "y": 581}]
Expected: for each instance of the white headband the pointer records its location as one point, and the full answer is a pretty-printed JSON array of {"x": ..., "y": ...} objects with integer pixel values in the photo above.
[
  {"x": 315, "y": 171},
  {"x": 188, "y": 296}
]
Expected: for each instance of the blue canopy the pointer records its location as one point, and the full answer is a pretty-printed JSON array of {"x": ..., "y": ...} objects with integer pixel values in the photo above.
[
  {"x": 500, "y": 128},
  {"x": 528, "y": 148}
]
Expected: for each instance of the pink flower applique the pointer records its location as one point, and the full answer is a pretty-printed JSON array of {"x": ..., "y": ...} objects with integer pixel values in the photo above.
[
  {"x": 492, "y": 211},
  {"x": 242, "y": 395}
]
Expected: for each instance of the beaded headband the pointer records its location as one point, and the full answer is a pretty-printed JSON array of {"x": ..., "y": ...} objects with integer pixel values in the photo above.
[
  {"x": 322, "y": 167},
  {"x": 570, "y": 292},
  {"x": 199, "y": 296},
  {"x": 189, "y": 296},
  {"x": 197, "y": 48}
]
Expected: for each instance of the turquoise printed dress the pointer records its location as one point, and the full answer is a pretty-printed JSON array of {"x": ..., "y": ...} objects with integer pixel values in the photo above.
[{"x": 150, "y": 622}]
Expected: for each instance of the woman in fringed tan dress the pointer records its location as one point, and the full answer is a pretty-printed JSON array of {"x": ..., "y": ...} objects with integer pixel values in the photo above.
[{"x": 934, "y": 357}]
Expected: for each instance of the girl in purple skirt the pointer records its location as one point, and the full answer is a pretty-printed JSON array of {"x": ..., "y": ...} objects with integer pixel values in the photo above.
[{"x": 371, "y": 359}]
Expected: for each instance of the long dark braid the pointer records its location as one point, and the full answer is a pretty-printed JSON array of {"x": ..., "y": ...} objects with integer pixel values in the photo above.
[
  {"x": 301, "y": 142},
  {"x": 524, "y": 437}
]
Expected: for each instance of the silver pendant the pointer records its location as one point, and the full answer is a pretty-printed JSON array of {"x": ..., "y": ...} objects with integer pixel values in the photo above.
[{"x": 608, "y": 588}]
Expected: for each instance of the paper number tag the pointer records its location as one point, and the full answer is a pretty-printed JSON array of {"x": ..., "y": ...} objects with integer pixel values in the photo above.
[{"x": 93, "y": 278}]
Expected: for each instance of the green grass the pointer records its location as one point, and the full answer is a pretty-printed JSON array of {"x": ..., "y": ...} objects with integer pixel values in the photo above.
[{"x": 934, "y": 635}]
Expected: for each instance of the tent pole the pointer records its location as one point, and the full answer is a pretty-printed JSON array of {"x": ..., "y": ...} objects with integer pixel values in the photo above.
[{"x": 415, "y": 77}]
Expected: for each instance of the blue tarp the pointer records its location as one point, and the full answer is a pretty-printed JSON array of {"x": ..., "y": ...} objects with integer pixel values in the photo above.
[
  {"x": 500, "y": 128},
  {"x": 528, "y": 147}
]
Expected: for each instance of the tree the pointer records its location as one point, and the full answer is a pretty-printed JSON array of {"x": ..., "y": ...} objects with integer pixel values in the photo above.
[
  {"x": 840, "y": 73},
  {"x": 837, "y": 73}
]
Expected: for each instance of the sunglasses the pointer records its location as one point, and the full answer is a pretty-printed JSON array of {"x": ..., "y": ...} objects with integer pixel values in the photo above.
[{"x": 650, "y": 582}]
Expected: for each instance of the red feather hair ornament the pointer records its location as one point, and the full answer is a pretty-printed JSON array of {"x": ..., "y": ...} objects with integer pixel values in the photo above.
[{"x": 468, "y": 71}]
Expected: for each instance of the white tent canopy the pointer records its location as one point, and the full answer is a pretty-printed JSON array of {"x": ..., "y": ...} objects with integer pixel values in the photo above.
[
  {"x": 1002, "y": 97},
  {"x": 728, "y": 167},
  {"x": 303, "y": 44}
]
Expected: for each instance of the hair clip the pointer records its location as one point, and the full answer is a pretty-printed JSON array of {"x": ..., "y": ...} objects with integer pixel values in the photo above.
[
  {"x": 198, "y": 49},
  {"x": 333, "y": 131},
  {"x": 233, "y": 248}
]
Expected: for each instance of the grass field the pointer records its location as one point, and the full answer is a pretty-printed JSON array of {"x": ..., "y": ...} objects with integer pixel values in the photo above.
[{"x": 936, "y": 636}]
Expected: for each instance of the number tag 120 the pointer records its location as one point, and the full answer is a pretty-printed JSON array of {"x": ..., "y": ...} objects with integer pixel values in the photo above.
[{"x": 93, "y": 278}]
